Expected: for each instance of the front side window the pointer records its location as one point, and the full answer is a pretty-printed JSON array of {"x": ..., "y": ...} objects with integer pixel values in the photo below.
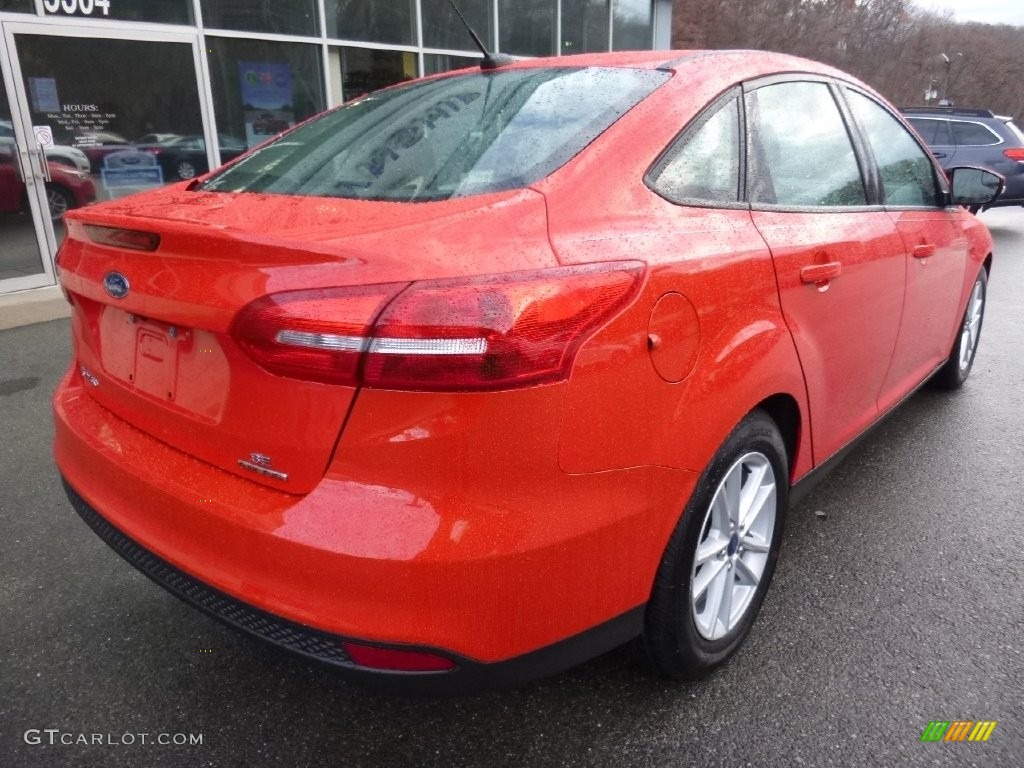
[
  {"x": 934, "y": 132},
  {"x": 972, "y": 134},
  {"x": 800, "y": 152},
  {"x": 704, "y": 164},
  {"x": 452, "y": 137},
  {"x": 908, "y": 176}
]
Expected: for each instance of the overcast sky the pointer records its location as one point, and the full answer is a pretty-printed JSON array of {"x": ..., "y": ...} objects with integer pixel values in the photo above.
[{"x": 987, "y": 11}]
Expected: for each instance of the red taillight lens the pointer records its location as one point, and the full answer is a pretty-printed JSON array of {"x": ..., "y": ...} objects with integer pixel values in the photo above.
[
  {"x": 319, "y": 335},
  {"x": 395, "y": 659},
  {"x": 494, "y": 332},
  {"x": 484, "y": 333},
  {"x": 123, "y": 238},
  {"x": 1017, "y": 153}
]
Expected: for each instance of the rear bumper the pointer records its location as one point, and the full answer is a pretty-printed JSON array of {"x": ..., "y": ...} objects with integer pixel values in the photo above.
[
  {"x": 508, "y": 589},
  {"x": 316, "y": 645}
]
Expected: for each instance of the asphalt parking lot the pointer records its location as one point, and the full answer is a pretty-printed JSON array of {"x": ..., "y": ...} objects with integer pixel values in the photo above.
[{"x": 899, "y": 599}]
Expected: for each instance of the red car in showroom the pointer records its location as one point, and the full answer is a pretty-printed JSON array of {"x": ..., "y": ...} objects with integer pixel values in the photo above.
[{"x": 479, "y": 376}]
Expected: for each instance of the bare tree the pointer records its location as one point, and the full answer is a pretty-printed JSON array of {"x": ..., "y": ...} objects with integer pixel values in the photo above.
[{"x": 891, "y": 44}]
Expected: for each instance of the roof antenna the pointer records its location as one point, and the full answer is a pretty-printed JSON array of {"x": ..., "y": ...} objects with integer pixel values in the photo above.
[{"x": 490, "y": 60}]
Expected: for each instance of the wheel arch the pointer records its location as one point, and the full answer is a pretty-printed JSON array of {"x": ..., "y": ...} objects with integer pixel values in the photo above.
[{"x": 785, "y": 412}]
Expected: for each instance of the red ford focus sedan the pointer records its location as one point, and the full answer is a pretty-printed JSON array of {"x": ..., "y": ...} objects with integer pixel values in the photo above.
[{"x": 479, "y": 376}]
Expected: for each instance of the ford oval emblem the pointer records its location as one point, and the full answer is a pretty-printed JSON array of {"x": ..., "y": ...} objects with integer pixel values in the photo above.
[{"x": 116, "y": 284}]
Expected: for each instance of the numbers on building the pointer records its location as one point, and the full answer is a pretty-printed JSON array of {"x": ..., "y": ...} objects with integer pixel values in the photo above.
[{"x": 84, "y": 7}]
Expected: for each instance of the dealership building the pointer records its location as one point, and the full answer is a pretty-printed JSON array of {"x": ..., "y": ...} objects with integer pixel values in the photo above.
[{"x": 104, "y": 98}]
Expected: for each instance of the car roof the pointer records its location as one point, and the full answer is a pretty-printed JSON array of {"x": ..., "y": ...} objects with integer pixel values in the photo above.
[
  {"x": 688, "y": 59},
  {"x": 949, "y": 112},
  {"x": 712, "y": 68}
]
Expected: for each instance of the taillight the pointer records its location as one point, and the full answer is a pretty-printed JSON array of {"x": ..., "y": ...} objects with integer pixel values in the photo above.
[
  {"x": 123, "y": 238},
  {"x": 319, "y": 335},
  {"x": 1017, "y": 153},
  {"x": 483, "y": 333}
]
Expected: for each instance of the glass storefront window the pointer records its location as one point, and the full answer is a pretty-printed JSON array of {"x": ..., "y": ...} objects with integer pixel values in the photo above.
[
  {"x": 367, "y": 69},
  {"x": 123, "y": 125},
  {"x": 295, "y": 17},
  {"x": 19, "y": 249},
  {"x": 160, "y": 11},
  {"x": 372, "y": 21},
  {"x": 262, "y": 87},
  {"x": 442, "y": 28},
  {"x": 18, "y": 6},
  {"x": 527, "y": 27},
  {"x": 584, "y": 26},
  {"x": 434, "y": 63},
  {"x": 632, "y": 25}
]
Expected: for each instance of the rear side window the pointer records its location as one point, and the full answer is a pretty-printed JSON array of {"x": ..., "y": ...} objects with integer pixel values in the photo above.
[
  {"x": 704, "y": 165},
  {"x": 800, "y": 151},
  {"x": 908, "y": 176},
  {"x": 1012, "y": 126},
  {"x": 451, "y": 137},
  {"x": 973, "y": 134}
]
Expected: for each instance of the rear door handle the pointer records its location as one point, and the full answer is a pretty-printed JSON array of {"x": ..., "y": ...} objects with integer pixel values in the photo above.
[
  {"x": 938, "y": 154},
  {"x": 821, "y": 273},
  {"x": 924, "y": 250}
]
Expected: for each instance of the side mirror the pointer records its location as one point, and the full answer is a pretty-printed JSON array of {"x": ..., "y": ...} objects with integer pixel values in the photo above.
[{"x": 975, "y": 186}]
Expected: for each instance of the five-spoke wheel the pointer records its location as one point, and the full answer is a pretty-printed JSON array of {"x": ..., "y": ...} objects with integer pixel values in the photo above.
[
  {"x": 733, "y": 550},
  {"x": 720, "y": 559},
  {"x": 957, "y": 368}
]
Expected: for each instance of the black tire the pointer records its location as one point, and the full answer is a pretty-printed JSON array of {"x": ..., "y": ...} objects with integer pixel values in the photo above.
[
  {"x": 186, "y": 169},
  {"x": 957, "y": 367},
  {"x": 675, "y": 644},
  {"x": 60, "y": 201}
]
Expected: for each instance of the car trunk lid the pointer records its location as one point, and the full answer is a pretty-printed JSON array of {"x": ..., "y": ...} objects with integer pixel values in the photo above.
[{"x": 162, "y": 356}]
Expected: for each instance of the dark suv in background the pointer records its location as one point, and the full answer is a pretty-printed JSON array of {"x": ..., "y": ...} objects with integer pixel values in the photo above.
[{"x": 975, "y": 137}]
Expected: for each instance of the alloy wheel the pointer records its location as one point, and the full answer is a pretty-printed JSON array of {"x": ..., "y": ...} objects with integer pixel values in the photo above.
[
  {"x": 58, "y": 203},
  {"x": 734, "y": 545},
  {"x": 971, "y": 331}
]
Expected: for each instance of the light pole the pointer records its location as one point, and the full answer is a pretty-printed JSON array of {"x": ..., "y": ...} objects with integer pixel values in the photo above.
[{"x": 949, "y": 68}]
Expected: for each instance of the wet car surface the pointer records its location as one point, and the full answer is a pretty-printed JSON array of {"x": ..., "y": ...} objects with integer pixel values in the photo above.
[{"x": 478, "y": 377}]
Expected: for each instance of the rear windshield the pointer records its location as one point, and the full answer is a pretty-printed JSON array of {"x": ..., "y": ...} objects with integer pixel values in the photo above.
[{"x": 451, "y": 137}]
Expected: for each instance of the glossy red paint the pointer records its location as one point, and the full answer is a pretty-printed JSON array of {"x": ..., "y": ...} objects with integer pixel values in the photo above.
[{"x": 483, "y": 524}]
